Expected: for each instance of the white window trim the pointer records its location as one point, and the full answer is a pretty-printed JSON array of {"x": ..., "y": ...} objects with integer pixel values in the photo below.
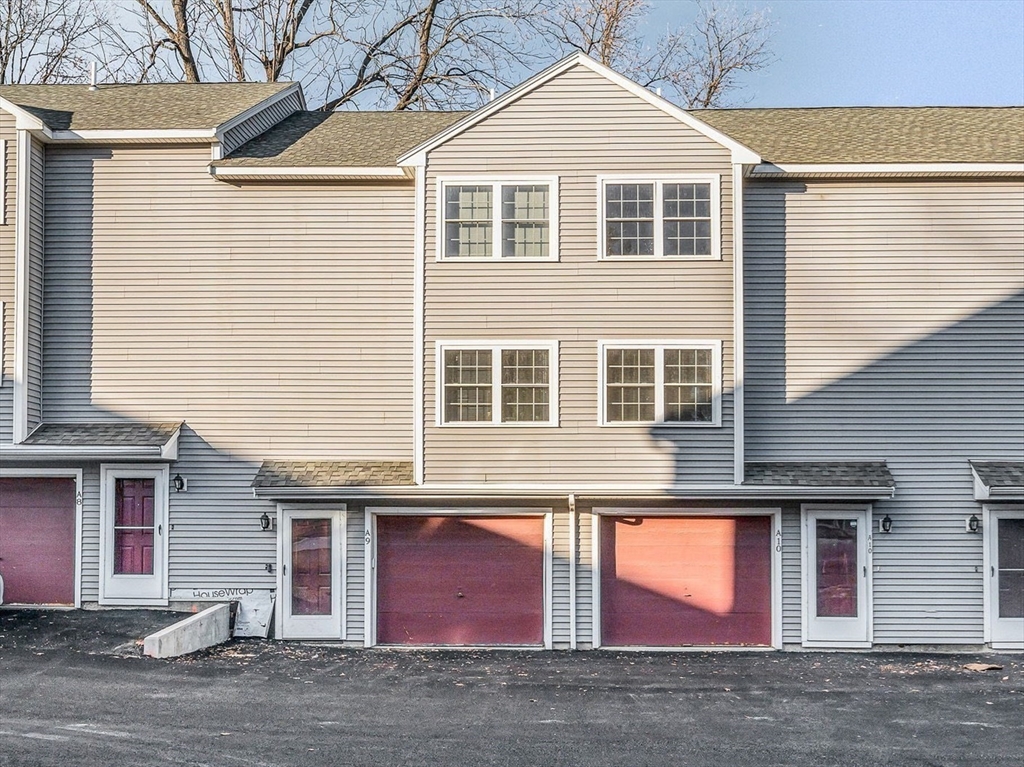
[
  {"x": 161, "y": 475},
  {"x": 496, "y": 347},
  {"x": 659, "y": 180},
  {"x": 496, "y": 182},
  {"x": 659, "y": 379}
]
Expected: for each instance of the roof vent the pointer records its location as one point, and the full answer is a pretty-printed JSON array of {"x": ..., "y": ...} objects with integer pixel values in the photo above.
[{"x": 92, "y": 75}]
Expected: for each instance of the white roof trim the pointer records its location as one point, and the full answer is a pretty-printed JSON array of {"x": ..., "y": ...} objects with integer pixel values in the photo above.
[
  {"x": 740, "y": 153},
  {"x": 253, "y": 172},
  {"x": 24, "y": 120},
  {"x": 240, "y": 118},
  {"x": 644, "y": 492},
  {"x": 983, "y": 492},
  {"x": 93, "y": 452},
  {"x": 202, "y": 135},
  {"x": 879, "y": 169}
]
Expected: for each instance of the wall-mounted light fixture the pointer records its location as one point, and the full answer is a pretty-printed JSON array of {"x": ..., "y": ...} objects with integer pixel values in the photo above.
[
  {"x": 973, "y": 524},
  {"x": 885, "y": 524},
  {"x": 265, "y": 521},
  {"x": 180, "y": 483}
]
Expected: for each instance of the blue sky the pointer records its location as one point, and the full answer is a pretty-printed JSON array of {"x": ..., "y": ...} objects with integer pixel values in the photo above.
[{"x": 882, "y": 52}]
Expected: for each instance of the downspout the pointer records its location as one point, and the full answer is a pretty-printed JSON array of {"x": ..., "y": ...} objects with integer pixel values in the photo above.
[
  {"x": 418, "y": 321},
  {"x": 572, "y": 570},
  {"x": 738, "y": 415},
  {"x": 21, "y": 287}
]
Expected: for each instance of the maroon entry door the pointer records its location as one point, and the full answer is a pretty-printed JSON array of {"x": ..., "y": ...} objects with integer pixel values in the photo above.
[
  {"x": 460, "y": 580},
  {"x": 674, "y": 581},
  {"x": 37, "y": 540}
]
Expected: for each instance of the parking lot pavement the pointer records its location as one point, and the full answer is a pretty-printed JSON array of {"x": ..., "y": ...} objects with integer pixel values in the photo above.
[{"x": 66, "y": 699}]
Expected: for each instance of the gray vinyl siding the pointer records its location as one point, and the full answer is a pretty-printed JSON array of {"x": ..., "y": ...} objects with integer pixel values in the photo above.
[
  {"x": 275, "y": 320},
  {"x": 90, "y": 533},
  {"x": 7, "y": 227},
  {"x": 885, "y": 320},
  {"x": 578, "y": 127},
  {"x": 35, "y": 285},
  {"x": 561, "y": 587},
  {"x": 355, "y": 574},
  {"x": 584, "y": 579},
  {"x": 260, "y": 122},
  {"x": 792, "y": 594}
]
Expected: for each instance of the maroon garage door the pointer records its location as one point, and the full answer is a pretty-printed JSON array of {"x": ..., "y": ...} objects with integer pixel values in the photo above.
[
  {"x": 670, "y": 581},
  {"x": 37, "y": 540},
  {"x": 460, "y": 580}
]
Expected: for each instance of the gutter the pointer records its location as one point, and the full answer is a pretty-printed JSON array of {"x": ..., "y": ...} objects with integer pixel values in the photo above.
[
  {"x": 546, "y": 492},
  {"x": 45, "y": 453}
]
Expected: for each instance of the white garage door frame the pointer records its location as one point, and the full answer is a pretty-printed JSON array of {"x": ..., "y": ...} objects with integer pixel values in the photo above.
[
  {"x": 75, "y": 474},
  {"x": 774, "y": 513},
  {"x": 370, "y": 539}
]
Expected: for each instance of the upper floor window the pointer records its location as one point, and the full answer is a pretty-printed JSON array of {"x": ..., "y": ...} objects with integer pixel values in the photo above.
[
  {"x": 497, "y": 384},
  {"x": 661, "y": 382},
  {"x": 499, "y": 219},
  {"x": 674, "y": 217}
]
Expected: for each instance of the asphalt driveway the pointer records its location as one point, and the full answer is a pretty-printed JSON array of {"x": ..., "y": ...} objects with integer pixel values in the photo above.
[{"x": 69, "y": 697}]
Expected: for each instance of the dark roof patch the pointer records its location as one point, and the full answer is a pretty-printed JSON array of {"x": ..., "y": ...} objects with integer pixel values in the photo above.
[
  {"x": 300, "y": 474},
  {"x": 1000, "y": 473},
  {"x": 102, "y": 434},
  {"x": 340, "y": 139},
  {"x": 820, "y": 474},
  {"x": 165, "y": 106},
  {"x": 876, "y": 134}
]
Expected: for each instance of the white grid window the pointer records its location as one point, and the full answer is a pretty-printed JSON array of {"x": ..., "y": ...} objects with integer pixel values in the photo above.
[
  {"x": 497, "y": 384},
  {"x": 647, "y": 218},
  {"x": 661, "y": 382},
  {"x": 499, "y": 220}
]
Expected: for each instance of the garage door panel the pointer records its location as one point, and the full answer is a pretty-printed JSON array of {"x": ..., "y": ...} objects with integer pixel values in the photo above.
[
  {"x": 668, "y": 581},
  {"x": 460, "y": 580},
  {"x": 37, "y": 539}
]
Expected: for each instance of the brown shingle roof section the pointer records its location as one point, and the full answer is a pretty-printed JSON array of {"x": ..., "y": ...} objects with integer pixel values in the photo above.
[
  {"x": 876, "y": 134},
  {"x": 820, "y": 474},
  {"x": 103, "y": 434},
  {"x": 1000, "y": 473},
  {"x": 168, "y": 106},
  {"x": 340, "y": 139},
  {"x": 334, "y": 474}
]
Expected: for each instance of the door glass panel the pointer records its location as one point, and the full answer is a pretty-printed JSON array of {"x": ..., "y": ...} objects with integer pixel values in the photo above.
[
  {"x": 133, "y": 526},
  {"x": 836, "y": 546},
  {"x": 311, "y": 567},
  {"x": 1011, "y": 568}
]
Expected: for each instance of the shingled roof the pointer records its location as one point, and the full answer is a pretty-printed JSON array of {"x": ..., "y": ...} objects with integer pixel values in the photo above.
[
  {"x": 998, "y": 479},
  {"x": 308, "y": 474},
  {"x": 164, "y": 106},
  {"x": 876, "y": 134},
  {"x": 820, "y": 474},
  {"x": 102, "y": 434},
  {"x": 347, "y": 139}
]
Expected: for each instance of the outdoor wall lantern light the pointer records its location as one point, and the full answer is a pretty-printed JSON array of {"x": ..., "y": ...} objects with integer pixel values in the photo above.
[
  {"x": 886, "y": 524},
  {"x": 180, "y": 483},
  {"x": 264, "y": 521},
  {"x": 973, "y": 524}
]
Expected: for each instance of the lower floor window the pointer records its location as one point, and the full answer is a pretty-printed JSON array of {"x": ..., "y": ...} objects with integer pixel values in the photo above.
[
  {"x": 649, "y": 383},
  {"x": 497, "y": 384}
]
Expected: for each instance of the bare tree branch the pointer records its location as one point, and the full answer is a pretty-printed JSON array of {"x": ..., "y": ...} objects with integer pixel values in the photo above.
[{"x": 47, "y": 41}]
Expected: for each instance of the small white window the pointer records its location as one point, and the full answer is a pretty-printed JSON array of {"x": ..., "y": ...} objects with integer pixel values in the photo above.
[
  {"x": 677, "y": 382},
  {"x": 674, "y": 217},
  {"x": 507, "y": 383},
  {"x": 508, "y": 220}
]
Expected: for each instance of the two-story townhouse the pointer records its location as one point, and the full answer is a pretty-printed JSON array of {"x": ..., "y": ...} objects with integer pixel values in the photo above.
[{"x": 577, "y": 369}]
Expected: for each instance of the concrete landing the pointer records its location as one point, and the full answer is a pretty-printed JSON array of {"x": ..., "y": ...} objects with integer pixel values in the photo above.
[{"x": 196, "y": 632}]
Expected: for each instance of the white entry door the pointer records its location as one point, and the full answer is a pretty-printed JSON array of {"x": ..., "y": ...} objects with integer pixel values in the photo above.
[
  {"x": 312, "y": 543},
  {"x": 1004, "y": 539},
  {"x": 837, "y": 576},
  {"x": 133, "y": 546}
]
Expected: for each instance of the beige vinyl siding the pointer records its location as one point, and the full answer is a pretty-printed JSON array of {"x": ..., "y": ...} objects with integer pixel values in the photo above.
[
  {"x": 584, "y": 579},
  {"x": 885, "y": 320},
  {"x": 35, "y": 285},
  {"x": 9, "y": 134},
  {"x": 275, "y": 319},
  {"x": 578, "y": 127},
  {"x": 260, "y": 122}
]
